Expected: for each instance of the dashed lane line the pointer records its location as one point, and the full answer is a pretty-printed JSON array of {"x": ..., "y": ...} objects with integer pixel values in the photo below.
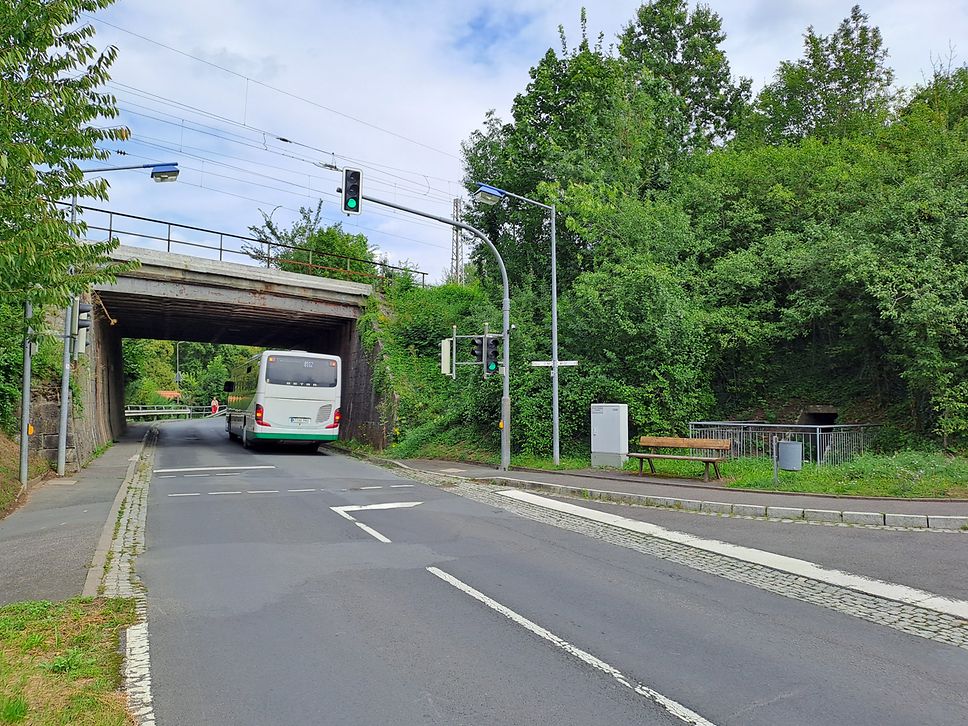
[
  {"x": 217, "y": 493},
  {"x": 262, "y": 491},
  {"x": 300, "y": 490},
  {"x": 674, "y": 708},
  {"x": 190, "y": 494}
]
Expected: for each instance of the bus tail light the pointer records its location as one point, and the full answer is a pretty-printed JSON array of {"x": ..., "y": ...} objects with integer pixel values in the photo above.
[
  {"x": 260, "y": 414},
  {"x": 336, "y": 418}
]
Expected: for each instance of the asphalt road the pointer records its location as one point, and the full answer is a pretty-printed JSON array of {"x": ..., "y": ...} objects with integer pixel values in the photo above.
[{"x": 266, "y": 606}]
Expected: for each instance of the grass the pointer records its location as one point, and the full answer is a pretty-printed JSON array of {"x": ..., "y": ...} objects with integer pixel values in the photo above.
[
  {"x": 904, "y": 474},
  {"x": 60, "y": 662},
  {"x": 10, "y": 475}
]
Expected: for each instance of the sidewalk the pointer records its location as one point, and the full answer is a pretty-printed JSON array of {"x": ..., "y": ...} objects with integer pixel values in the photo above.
[
  {"x": 696, "y": 496},
  {"x": 46, "y": 545}
]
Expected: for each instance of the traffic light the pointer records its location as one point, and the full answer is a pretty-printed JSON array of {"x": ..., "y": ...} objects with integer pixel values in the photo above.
[
  {"x": 352, "y": 190},
  {"x": 491, "y": 363},
  {"x": 478, "y": 350},
  {"x": 80, "y": 316}
]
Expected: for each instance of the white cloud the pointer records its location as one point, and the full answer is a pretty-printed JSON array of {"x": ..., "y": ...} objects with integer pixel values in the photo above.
[{"x": 427, "y": 71}]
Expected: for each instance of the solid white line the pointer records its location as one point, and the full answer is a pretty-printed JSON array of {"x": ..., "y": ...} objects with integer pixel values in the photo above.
[
  {"x": 385, "y": 505},
  {"x": 340, "y": 512},
  {"x": 217, "y": 493},
  {"x": 370, "y": 530},
  {"x": 792, "y": 565},
  {"x": 262, "y": 491},
  {"x": 300, "y": 490},
  {"x": 362, "y": 488},
  {"x": 673, "y": 707},
  {"x": 212, "y": 468},
  {"x": 193, "y": 494}
]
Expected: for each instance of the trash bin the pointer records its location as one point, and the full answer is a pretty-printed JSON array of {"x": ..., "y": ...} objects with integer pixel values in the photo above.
[{"x": 790, "y": 454}]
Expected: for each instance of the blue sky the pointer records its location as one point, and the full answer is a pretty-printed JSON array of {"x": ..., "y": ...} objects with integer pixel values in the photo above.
[{"x": 390, "y": 87}]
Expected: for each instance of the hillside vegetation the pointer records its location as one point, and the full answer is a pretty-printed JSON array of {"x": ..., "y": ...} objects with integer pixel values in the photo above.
[{"x": 719, "y": 254}]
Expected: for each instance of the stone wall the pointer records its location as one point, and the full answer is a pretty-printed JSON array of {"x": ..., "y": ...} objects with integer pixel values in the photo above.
[{"x": 97, "y": 415}]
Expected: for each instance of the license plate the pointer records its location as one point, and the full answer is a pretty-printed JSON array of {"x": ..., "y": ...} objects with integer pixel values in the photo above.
[{"x": 299, "y": 420}]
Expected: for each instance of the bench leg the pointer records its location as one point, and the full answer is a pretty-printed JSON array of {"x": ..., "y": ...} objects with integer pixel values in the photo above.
[
  {"x": 651, "y": 466},
  {"x": 640, "y": 466},
  {"x": 716, "y": 469},
  {"x": 705, "y": 474}
]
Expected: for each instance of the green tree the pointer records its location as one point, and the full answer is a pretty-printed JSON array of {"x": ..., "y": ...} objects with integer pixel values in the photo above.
[
  {"x": 684, "y": 49},
  {"x": 312, "y": 248},
  {"x": 586, "y": 117},
  {"x": 839, "y": 88},
  {"x": 52, "y": 115}
]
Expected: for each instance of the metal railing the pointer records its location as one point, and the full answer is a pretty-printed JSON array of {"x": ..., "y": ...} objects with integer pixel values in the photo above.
[
  {"x": 226, "y": 246},
  {"x": 171, "y": 411},
  {"x": 822, "y": 445}
]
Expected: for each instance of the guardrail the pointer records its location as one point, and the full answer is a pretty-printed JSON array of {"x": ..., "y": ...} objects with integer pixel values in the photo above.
[
  {"x": 171, "y": 411},
  {"x": 822, "y": 445},
  {"x": 157, "y": 233}
]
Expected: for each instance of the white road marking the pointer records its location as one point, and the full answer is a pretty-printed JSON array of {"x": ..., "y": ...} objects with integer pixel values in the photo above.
[
  {"x": 362, "y": 488},
  {"x": 385, "y": 505},
  {"x": 189, "y": 476},
  {"x": 168, "y": 476},
  {"x": 673, "y": 707},
  {"x": 792, "y": 565},
  {"x": 262, "y": 491},
  {"x": 193, "y": 494},
  {"x": 453, "y": 471},
  {"x": 212, "y": 468},
  {"x": 228, "y": 473},
  {"x": 371, "y": 531},
  {"x": 300, "y": 490},
  {"x": 217, "y": 493},
  {"x": 402, "y": 486}
]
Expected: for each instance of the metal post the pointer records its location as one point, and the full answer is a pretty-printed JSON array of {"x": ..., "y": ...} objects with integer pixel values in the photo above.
[
  {"x": 554, "y": 345},
  {"x": 25, "y": 398},
  {"x": 506, "y": 319},
  {"x": 65, "y": 393}
]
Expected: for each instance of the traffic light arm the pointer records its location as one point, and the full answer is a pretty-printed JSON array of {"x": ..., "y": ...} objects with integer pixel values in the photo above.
[{"x": 505, "y": 312}]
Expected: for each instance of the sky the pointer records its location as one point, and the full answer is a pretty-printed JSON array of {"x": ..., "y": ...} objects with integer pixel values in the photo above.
[{"x": 253, "y": 99}]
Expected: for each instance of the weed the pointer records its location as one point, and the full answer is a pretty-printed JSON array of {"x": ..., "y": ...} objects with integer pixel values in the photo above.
[{"x": 13, "y": 709}]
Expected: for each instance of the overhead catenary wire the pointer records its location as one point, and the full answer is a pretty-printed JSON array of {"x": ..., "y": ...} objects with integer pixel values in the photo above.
[
  {"x": 433, "y": 193},
  {"x": 386, "y": 215},
  {"x": 289, "y": 94}
]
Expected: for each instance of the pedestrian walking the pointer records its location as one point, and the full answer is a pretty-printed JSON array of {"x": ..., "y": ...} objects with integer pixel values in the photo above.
[{"x": 214, "y": 405}]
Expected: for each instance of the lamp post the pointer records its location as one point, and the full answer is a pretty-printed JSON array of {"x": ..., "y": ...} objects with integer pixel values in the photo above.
[
  {"x": 506, "y": 318},
  {"x": 492, "y": 195},
  {"x": 163, "y": 172}
]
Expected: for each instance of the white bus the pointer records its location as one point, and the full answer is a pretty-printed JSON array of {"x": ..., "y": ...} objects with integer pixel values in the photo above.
[{"x": 285, "y": 395}]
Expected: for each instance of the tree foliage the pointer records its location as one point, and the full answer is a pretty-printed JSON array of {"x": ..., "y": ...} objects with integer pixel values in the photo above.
[
  {"x": 839, "y": 88},
  {"x": 52, "y": 115},
  {"x": 684, "y": 49},
  {"x": 312, "y": 248}
]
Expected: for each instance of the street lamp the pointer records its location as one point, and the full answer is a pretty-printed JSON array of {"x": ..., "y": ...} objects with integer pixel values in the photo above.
[
  {"x": 163, "y": 172},
  {"x": 178, "y": 367},
  {"x": 492, "y": 195}
]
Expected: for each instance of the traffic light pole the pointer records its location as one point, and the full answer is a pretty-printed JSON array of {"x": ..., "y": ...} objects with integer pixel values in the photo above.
[{"x": 506, "y": 319}]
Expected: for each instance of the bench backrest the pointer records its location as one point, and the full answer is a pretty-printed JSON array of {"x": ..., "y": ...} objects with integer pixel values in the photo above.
[{"x": 671, "y": 442}]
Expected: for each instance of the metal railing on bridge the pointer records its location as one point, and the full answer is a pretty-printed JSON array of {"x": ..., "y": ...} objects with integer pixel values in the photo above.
[
  {"x": 822, "y": 445},
  {"x": 228, "y": 247},
  {"x": 174, "y": 410}
]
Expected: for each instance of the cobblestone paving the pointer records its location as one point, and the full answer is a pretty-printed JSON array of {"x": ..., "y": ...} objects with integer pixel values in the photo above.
[
  {"x": 121, "y": 580},
  {"x": 900, "y": 616}
]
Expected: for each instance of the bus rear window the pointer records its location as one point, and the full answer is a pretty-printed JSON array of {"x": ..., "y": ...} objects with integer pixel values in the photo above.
[{"x": 291, "y": 370}]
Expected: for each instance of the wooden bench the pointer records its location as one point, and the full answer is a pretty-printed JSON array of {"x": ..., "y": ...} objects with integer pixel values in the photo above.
[{"x": 671, "y": 442}]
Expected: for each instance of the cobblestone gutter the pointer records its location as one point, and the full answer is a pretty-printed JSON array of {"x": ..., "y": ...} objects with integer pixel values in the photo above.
[
  {"x": 121, "y": 580},
  {"x": 921, "y": 622}
]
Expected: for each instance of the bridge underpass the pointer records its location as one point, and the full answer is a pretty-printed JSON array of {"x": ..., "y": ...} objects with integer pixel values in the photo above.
[{"x": 177, "y": 297}]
